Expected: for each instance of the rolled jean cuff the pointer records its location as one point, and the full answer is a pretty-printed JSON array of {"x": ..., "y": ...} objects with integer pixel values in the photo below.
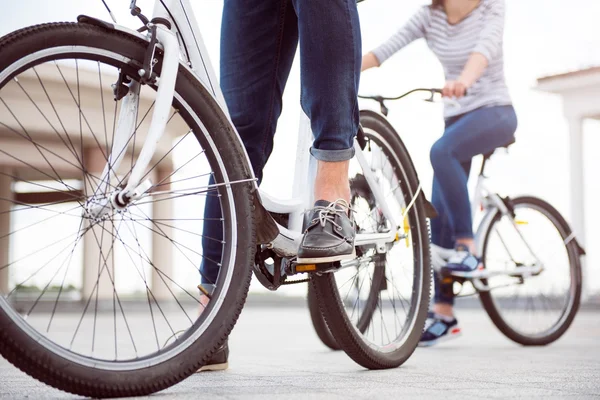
[{"x": 332, "y": 155}]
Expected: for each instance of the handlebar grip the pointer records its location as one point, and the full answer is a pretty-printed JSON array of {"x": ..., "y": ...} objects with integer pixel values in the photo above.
[{"x": 440, "y": 91}]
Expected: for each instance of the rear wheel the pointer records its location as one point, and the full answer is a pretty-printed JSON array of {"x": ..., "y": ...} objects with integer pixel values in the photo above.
[
  {"x": 133, "y": 324},
  {"x": 536, "y": 309},
  {"x": 376, "y": 306}
]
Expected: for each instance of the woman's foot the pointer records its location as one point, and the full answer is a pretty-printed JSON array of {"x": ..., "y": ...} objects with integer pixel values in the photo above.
[
  {"x": 439, "y": 328},
  {"x": 462, "y": 261}
]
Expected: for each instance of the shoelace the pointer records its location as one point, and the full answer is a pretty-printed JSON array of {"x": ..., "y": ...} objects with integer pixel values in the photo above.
[{"x": 328, "y": 213}]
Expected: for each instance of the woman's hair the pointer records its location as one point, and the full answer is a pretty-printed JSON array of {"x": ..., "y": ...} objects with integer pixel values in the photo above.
[{"x": 437, "y": 3}]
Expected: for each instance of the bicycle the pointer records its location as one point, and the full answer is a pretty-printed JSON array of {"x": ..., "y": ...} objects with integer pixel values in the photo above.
[
  {"x": 516, "y": 273},
  {"x": 128, "y": 181}
]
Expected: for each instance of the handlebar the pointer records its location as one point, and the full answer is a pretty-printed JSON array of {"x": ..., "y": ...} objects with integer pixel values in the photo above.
[
  {"x": 432, "y": 92},
  {"x": 381, "y": 99}
]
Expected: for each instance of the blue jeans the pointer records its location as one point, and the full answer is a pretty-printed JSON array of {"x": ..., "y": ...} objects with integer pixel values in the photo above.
[
  {"x": 477, "y": 132},
  {"x": 258, "y": 43}
]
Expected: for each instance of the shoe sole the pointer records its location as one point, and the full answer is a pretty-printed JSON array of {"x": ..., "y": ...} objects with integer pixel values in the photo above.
[
  {"x": 214, "y": 367},
  {"x": 444, "y": 338},
  {"x": 324, "y": 260}
]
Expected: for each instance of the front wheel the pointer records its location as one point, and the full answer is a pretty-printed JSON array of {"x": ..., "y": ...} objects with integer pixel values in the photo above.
[
  {"x": 536, "y": 308},
  {"x": 376, "y": 305},
  {"x": 109, "y": 307}
]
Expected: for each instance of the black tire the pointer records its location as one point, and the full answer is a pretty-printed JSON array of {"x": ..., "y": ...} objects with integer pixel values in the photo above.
[
  {"x": 364, "y": 320},
  {"x": 492, "y": 306},
  {"x": 318, "y": 321},
  {"x": 348, "y": 336},
  {"x": 51, "y": 368}
]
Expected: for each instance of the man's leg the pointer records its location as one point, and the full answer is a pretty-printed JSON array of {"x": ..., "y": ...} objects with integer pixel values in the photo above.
[
  {"x": 330, "y": 50},
  {"x": 258, "y": 43},
  {"x": 330, "y": 57}
]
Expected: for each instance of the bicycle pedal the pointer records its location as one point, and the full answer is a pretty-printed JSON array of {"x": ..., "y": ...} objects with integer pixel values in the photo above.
[{"x": 317, "y": 268}]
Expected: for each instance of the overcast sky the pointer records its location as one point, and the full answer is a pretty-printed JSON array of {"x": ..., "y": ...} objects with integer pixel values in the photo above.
[{"x": 542, "y": 37}]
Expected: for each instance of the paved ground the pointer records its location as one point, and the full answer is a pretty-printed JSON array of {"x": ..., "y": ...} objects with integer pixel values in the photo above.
[{"x": 276, "y": 355}]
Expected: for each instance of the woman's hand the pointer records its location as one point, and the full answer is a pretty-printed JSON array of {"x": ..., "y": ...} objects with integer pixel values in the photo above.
[
  {"x": 455, "y": 89},
  {"x": 369, "y": 61}
]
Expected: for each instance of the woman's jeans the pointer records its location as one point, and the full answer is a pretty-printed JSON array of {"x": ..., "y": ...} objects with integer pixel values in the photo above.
[
  {"x": 477, "y": 132},
  {"x": 258, "y": 43}
]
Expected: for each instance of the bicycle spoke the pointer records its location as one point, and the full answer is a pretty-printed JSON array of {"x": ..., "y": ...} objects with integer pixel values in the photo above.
[
  {"x": 96, "y": 285},
  {"x": 196, "y": 191},
  {"x": 27, "y": 137},
  {"x": 143, "y": 278},
  {"x": 50, "y": 280},
  {"x": 42, "y": 208},
  {"x": 75, "y": 197},
  {"x": 98, "y": 290},
  {"x": 18, "y": 285},
  {"x": 64, "y": 278},
  {"x": 37, "y": 223},
  {"x": 147, "y": 259},
  {"x": 148, "y": 294},
  {"x": 36, "y": 252},
  {"x": 160, "y": 232},
  {"x": 72, "y": 146}
]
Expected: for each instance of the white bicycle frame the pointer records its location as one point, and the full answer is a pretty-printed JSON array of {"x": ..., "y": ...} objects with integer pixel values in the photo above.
[
  {"x": 490, "y": 203},
  {"x": 184, "y": 43}
]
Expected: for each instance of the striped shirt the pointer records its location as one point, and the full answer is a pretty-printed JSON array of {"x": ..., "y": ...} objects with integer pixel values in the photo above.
[{"x": 481, "y": 31}]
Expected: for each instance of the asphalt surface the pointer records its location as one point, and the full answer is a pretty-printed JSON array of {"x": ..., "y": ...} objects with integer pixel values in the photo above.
[{"x": 275, "y": 354}]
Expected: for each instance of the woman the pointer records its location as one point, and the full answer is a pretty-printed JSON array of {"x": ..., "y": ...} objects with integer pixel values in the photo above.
[{"x": 467, "y": 37}]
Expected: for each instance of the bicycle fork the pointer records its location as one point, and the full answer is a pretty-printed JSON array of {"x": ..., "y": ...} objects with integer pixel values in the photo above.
[{"x": 104, "y": 199}]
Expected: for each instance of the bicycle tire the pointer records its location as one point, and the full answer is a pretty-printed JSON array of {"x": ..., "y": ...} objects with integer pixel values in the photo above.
[
  {"x": 318, "y": 321},
  {"x": 490, "y": 305},
  {"x": 346, "y": 334},
  {"x": 41, "y": 363}
]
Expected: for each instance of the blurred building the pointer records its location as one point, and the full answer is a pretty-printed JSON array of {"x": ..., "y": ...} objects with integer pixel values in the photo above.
[
  {"x": 580, "y": 93},
  {"x": 45, "y": 143}
]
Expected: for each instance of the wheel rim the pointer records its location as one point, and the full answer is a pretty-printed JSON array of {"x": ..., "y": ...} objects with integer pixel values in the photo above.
[
  {"x": 184, "y": 183},
  {"x": 539, "y": 306}
]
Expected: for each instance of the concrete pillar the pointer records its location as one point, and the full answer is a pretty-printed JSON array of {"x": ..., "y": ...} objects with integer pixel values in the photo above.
[
  {"x": 97, "y": 242},
  {"x": 162, "y": 248},
  {"x": 5, "y": 216},
  {"x": 578, "y": 191},
  {"x": 576, "y": 175}
]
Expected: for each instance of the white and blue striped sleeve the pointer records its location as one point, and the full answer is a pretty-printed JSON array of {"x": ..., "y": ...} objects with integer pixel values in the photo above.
[
  {"x": 490, "y": 38},
  {"x": 414, "y": 29}
]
